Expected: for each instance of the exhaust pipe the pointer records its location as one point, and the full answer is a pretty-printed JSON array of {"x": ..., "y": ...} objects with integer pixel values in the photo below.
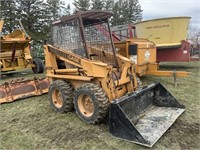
[{"x": 144, "y": 116}]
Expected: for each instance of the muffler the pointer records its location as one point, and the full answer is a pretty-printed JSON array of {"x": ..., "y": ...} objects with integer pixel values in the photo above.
[{"x": 144, "y": 116}]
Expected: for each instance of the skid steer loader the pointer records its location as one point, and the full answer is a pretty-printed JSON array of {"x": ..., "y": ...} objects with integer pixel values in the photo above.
[{"x": 87, "y": 74}]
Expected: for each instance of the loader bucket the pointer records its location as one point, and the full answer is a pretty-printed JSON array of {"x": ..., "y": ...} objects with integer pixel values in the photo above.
[
  {"x": 20, "y": 88},
  {"x": 144, "y": 116}
]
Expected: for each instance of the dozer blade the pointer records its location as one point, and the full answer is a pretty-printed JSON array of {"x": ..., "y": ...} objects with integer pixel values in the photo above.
[
  {"x": 144, "y": 116},
  {"x": 20, "y": 88}
]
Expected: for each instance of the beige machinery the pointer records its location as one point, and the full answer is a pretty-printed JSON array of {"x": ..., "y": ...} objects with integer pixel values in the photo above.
[
  {"x": 15, "y": 55},
  {"x": 15, "y": 52},
  {"x": 143, "y": 53},
  {"x": 87, "y": 74}
]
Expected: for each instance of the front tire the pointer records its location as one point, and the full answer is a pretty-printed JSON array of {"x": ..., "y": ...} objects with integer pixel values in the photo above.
[
  {"x": 91, "y": 103},
  {"x": 61, "y": 96}
]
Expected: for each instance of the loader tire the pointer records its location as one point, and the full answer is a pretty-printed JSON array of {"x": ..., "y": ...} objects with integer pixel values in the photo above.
[
  {"x": 39, "y": 66},
  {"x": 91, "y": 103},
  {"x": 61, "y": 96}
]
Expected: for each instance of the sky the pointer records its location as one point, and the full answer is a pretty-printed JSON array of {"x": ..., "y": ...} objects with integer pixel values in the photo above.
[{"x": 153, "y": 9}]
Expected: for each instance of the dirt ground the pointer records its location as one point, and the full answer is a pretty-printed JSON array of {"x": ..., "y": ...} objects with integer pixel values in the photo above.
[{"x": 32, "y": 124}]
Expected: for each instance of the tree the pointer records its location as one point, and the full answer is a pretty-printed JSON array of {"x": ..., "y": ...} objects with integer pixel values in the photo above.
[
  {"x": 97, "y": 4},
  {"x": 81, "y": 5},
  {"x": 34, "y": 16},
  {"x": 193, "y": 31},
  {"x": 132, "y": 11},
  {"x": 8, "y": 10},
  {"x": 126, "y": 11},
  {"x": 66, "y": 10},
  {"x": 108, "y": 4},
  {"x": 118, "y": 17},
  {"x": 57, "y": 9}
]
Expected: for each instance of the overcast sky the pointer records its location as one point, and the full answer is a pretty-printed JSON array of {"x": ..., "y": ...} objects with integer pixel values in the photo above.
[{"x": 168, "y": 8}]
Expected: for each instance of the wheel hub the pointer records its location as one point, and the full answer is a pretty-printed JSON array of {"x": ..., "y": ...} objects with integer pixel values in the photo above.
[
  {"x": 57, "y": 98},
  {"x": 86, "y": 105}
]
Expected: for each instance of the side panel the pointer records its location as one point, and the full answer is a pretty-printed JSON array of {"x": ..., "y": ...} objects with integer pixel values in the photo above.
[
  {"x": 164, "y": 31},
  {"x": 181, "y": 53}
]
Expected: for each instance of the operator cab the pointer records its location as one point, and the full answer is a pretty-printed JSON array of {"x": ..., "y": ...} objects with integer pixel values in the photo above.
[{"x": 86, "y": 34}]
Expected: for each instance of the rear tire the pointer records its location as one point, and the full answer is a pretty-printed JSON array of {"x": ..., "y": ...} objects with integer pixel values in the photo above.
[
  {"x": 39, "y": 66},
  {"x": 91, "y": 103},
  {"x": 61, "y": 96}
]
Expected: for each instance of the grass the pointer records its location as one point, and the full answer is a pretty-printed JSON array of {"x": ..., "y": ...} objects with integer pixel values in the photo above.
[{"x": 31, "y": 124}]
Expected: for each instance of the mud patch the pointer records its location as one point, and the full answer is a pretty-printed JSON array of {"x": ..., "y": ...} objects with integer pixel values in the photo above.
[{"x": 187, "y": 135}]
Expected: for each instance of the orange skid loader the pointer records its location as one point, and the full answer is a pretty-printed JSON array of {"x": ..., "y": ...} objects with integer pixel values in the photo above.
[{"x": 87, "y": 74}]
